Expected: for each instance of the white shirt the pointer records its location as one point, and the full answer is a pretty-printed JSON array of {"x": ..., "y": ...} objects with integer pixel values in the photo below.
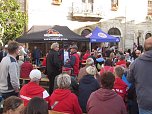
[{"x": 66, "y": 56}]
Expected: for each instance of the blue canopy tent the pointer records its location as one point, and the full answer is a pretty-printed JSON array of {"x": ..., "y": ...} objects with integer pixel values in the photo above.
[{"x": 98, "y": 35}]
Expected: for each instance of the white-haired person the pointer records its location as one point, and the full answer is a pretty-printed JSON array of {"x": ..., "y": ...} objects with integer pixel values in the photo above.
[
  {"x": 87, "y": 85},
  {"x": 62, "y": 99},
  {"x": 82, "y": 72},
  {"x": 74, "y": 84},
  {"x": 53, "y": 65},
  {"x": 33, "y": 89}
]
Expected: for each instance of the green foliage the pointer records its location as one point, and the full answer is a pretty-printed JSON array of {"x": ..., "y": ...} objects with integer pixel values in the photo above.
[{"x": 12, "y": 19}]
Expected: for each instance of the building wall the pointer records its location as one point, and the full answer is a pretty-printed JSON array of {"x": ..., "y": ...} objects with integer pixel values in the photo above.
[
  {"x": 43, "y": 12},
  {"x": 128, "y": 18}
]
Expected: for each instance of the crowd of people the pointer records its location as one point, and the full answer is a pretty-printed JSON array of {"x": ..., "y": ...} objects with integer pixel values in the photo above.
[{"x": 105, "y": 82}]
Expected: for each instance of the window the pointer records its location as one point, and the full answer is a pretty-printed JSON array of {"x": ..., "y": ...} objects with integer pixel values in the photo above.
[
  {"x": 56, "y": 2},
  {"x": 88, "y": 5},
  {"x": 149, "y": 8},
  {"x": 114, "y": 5},
  {"x": 85, "y": 32}
]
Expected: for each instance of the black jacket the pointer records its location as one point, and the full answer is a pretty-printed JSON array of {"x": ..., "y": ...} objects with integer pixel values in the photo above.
[
  {"x": 87, "y": 85},
  {"x": 1, "y": 55},
  {"x": 53, "y": 63}
]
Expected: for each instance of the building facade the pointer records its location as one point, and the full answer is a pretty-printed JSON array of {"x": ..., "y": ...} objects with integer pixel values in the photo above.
[{"x": 131, "y": 20}]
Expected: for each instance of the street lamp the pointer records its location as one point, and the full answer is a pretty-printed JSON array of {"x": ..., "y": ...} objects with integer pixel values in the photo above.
[{"x": 1, "y": 34}]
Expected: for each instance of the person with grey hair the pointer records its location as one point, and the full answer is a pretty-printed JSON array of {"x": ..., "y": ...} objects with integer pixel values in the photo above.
[
  {"x": 87, "y": 85},
  {"x": 9, "y": 77},
  {"x": 62, "y": 99},
  {"x": 54, "y": 45},
  {"x": 64, "y": 81},
  {"x": 53, "y": 65},
  {"x": 33, "y": 89},
  {"x": 140, "y": 75},
  {"x": 74, "y": 84},
  {"x": 82, "y": 72}
]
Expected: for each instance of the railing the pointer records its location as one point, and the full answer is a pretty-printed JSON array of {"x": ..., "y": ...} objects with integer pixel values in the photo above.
[{"x": 88, "y": 10}]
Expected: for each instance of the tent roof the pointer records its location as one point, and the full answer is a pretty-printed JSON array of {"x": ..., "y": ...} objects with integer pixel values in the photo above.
[
  {"x": 98, "y": 35},
  {"x": 50, "y": 33}
]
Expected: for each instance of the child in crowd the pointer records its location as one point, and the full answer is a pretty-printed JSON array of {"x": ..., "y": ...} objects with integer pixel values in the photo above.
[{"x": 120, "y": 86}]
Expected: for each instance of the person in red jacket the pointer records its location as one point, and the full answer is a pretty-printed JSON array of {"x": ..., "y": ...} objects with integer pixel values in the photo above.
[
  {"x": 26, "y": 68},
  {"x": 105, "y": 100},
  {"x": 74, "y": 60},
  {"x": 62, "y": 99},
  {"x": 33, "y": 89},
  {"x": 108, "y": 67},
  {"x": 122, "y": 61},
  {"x": 44, "y": 60},
  {"x": 120, "y": 86},
  {"x": 86, "y": 55}
]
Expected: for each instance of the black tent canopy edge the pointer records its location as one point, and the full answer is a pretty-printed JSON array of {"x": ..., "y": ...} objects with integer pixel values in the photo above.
[{"x": 37, "y": 34}]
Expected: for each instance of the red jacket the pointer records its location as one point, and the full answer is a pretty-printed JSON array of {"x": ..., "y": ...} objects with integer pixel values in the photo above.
[
  {"x": 120, "y": 87},
  {"x": 44, "y": 62},
  {"x": 85, "y": 56},
  {"x": 107, "y": 68},
  {"x": 122, "y": 63},
  {"x": 74, "y": 61},
  {"x": 30, "y": 90},
  {"x": 26, "y": 68},
  {"x": 63, "y": 100}
]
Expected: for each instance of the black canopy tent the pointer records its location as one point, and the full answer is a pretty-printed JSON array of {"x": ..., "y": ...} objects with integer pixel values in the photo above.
[{"x": 50, "y": 33}]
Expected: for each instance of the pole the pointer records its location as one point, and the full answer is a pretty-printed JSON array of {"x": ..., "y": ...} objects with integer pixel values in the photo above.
[
  {"x": 90, "y": 46},
  {"x": 125, "y": 27}
]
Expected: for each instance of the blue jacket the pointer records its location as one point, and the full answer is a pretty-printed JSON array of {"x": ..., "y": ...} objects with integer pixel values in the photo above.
[
  {"x": 126, "y": 81},
  {"x": 140, "y": 74},
  {"x": 36, "y": 53},
  {"x": 87, "y": 85}
]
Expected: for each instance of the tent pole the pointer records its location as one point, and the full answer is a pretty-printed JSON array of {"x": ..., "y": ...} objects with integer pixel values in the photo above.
[
  {"x": 46, "y": 48},
  {"x": 90, "y": 46}
]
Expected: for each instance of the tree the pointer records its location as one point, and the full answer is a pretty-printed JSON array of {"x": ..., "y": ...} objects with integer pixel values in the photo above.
[{"x": 12, "y": 19}]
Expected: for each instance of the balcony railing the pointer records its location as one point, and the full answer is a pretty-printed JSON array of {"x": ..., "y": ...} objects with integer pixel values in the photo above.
[{"x": 85, "y": 12}]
